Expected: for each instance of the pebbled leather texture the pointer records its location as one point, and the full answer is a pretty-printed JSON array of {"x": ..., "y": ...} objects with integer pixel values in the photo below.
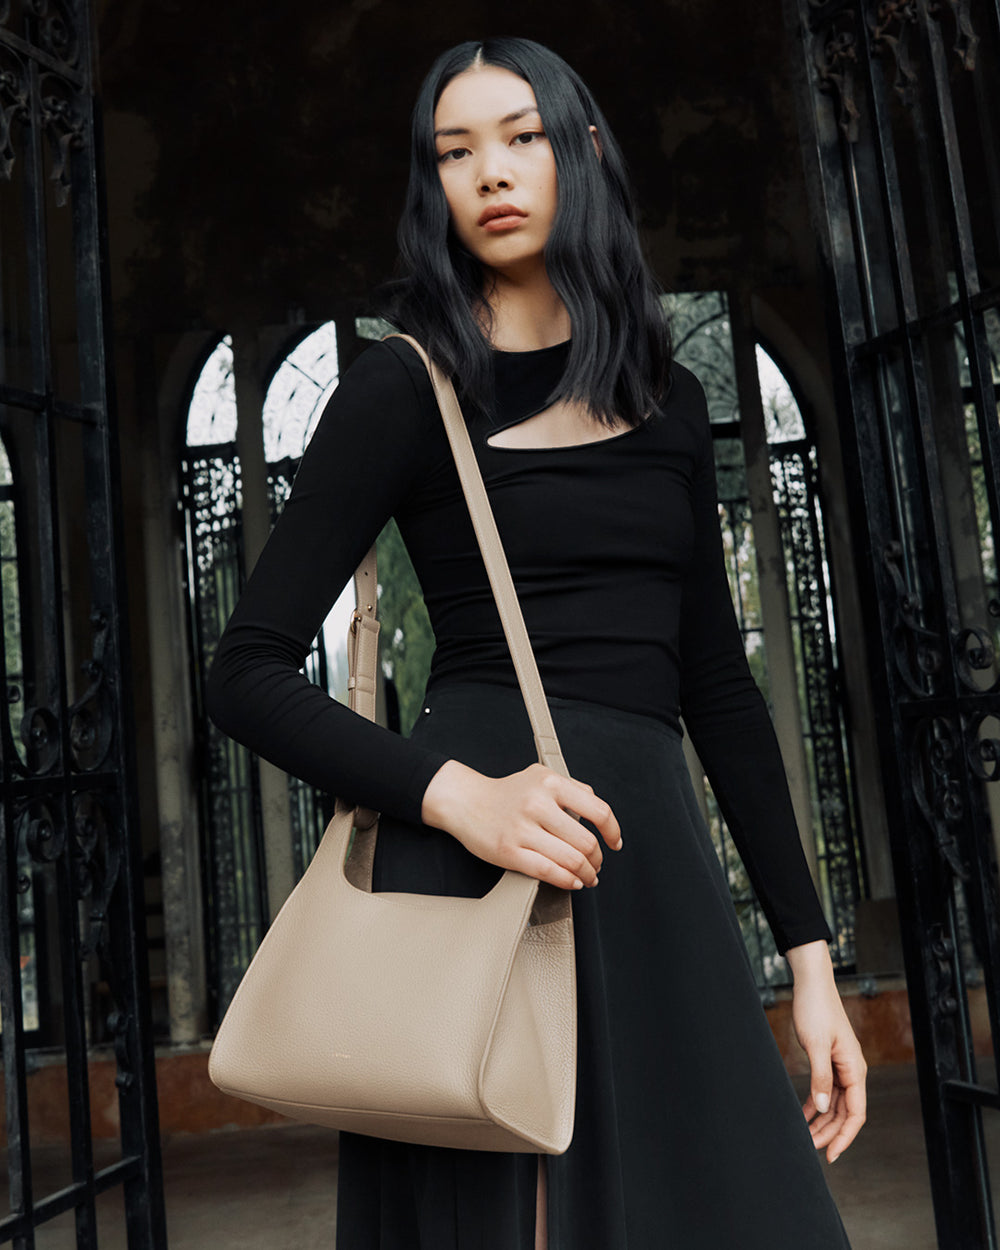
[{"x": 419, "y": 1018}]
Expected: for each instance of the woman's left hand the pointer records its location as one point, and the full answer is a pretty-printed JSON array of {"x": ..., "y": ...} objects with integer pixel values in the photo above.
[{"x": 837, "y": 1104}]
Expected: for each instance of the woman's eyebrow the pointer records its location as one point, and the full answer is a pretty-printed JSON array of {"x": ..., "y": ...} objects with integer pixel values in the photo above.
[{"x": 504, "y": 121}]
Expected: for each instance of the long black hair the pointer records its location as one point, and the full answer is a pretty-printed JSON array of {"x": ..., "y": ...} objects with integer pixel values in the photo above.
[{"x": 619, "y": 358}]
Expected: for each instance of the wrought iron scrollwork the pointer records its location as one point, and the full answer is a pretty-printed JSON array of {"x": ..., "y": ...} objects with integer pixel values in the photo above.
[
  {"x": 974, "y": 653},
  {"x": 942, "y": 949},
  {"x": 982, "y": 754},
  {"x": 120, "y": 1027},
  {"x": 836, "y": 63},
  {"x": 934, "y": 761},
  {"x": 892, "y": 31},
  {"x": 91, "y": 717},
  {"x": 796, "y": 497},
  {"x": 40, "y": 735},
  {"x": 14, "y": 105},
  {"x": 44, "y": 832},
  {"x": 63, "y": 121},
  {"x": 97, "y": 855},
  {"x": 57, "y": 29},
  {"x": 916, "y": 649},
  {"x": 966, "y": 39}
]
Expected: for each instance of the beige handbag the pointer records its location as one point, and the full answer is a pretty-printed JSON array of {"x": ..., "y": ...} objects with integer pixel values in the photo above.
[{"x": 438, "y": 1020}]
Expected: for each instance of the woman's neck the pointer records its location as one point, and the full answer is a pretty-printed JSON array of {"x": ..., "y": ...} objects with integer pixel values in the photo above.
[{"x": 527, "y": 312}]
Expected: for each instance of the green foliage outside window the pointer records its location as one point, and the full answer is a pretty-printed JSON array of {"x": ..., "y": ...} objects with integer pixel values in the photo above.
[{"x": 406, "y": 641}]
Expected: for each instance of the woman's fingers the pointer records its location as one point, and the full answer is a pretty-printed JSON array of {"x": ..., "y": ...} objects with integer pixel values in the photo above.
[
  {"x": 823, "y": 1127},
  {"x": 598, "y": 812},
  {"x": 854, "y": 1108},
  {"x": 838, "y": 1127},
  {"x": 572, "y": 852},
  {"x": 578, "y": 799},
  {"x": 534, "y": 864}
]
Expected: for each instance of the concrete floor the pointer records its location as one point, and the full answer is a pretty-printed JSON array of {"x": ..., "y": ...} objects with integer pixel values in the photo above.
[{"x": 275, "y": 1188}]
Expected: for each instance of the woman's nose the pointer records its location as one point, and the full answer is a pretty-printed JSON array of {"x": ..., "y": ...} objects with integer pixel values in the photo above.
[
  {"x": 494, "y": 173},
  {"x": 494, "y": 184}
]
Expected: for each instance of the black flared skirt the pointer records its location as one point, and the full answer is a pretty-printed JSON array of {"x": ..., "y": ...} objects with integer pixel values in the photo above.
[{"x": 689, "y": 1134}]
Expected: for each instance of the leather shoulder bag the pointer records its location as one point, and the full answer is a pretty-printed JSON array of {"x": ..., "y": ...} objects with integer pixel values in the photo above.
[{"x": 437, "y": 1020}]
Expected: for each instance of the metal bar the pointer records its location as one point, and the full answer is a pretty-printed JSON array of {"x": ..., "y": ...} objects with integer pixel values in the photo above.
[
  {"x": 66, "y": 1199},
  {"x": 967, "y": 271},
  {"x": 39, "y": 56},
  {"x": 77, "y": 1076},
  {"x": 918, "y": 399},
  {"x": 121, "y": 940},
  {"x": 37, "y": 401},
  {"x": 981, "y": 893},
  {"x": 967, "y": 1091}
]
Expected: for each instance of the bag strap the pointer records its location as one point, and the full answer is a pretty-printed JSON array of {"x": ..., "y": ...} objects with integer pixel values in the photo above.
[{"x": 363, "y": 637}]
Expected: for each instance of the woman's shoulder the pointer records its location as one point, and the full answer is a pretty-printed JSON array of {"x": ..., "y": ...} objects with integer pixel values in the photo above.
[
  {"x": 685, "y": 389},
  {"x": 685, "y": 405},
  {"x": 387, "y": 368}
]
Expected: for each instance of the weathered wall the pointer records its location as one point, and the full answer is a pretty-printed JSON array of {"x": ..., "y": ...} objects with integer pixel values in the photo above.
[{"x": 257, "y": 155}]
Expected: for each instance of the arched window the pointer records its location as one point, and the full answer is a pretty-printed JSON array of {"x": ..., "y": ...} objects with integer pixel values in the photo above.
[
  {"x": 213, "y": 500},
  {"x": 704, "y": 342},
  {"x": 14, "y": 673},
  {"x": 297, "y": 394},
  {"x": 228, "y": 784},
  {"x": 794, "y": 481}
]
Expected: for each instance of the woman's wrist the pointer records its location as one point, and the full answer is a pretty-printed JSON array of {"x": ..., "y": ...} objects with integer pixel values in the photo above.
[
  {"x": 447, "y": 793},
  {"x": 810, "y": 961}
]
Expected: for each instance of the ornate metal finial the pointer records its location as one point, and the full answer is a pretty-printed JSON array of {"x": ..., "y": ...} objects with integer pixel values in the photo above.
[
  {"x": 966, "y": 39},
  {"x": 892, "y": 31},
  {"x": 63, "y": 120},
  {"x": 13, "y": 107},
  {"x": 836, "y": 64}
]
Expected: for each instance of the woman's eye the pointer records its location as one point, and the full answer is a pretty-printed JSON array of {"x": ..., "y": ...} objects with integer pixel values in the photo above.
[
  {"x": 528, "y": 136},
  {"x": 453, "y": 154}
]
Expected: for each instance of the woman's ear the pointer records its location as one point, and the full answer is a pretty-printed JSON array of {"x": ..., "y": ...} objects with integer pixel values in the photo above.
[{"x": 597, "y": 142}]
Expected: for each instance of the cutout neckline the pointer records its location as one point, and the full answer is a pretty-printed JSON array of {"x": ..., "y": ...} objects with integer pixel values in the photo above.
[{"x": 592, "y": 442}]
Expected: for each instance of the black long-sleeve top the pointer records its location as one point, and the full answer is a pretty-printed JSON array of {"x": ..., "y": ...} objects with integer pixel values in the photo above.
[{"x": 616, "y": 554}]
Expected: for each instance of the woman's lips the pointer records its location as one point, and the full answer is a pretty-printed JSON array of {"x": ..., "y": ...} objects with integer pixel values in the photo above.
[
  {"x": 496, "y": 224},
  {"x": 501, "y": 217}
]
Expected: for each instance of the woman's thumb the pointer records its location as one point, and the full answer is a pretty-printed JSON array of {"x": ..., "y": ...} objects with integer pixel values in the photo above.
[{"x": 821, "y": 1084}]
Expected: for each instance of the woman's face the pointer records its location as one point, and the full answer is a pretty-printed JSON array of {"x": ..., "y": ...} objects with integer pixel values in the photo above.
[{"x": 496, "y": 168}]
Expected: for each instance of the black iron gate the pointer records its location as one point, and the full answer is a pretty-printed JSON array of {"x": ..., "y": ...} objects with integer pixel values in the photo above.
[
  {"x": 68, "y": 832},
  {"x": 900, "y": 105}
]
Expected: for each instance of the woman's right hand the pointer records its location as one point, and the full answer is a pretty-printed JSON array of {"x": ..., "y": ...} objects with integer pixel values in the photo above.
[{"x": 524, "y": 821}]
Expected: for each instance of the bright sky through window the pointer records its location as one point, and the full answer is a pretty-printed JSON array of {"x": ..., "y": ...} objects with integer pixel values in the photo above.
[
  {"x": 212, "y": 414},
  {"x": 299, "y": 391},
  {"x": 781, "y": 412}
]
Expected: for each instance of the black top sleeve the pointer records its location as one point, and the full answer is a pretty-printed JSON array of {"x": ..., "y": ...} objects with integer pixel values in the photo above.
[
  {"x": 372, "y": 445},
  {"x": 730, "y": 726}
]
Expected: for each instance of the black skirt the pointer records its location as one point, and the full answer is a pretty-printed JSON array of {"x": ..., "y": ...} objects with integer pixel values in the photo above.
[{"x": 689, "y": 1133}]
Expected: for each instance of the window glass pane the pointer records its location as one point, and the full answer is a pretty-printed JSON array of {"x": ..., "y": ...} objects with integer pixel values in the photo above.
[
  {"x": 703, "y": 342},
  {"x": 298, "y": 393},
  {"x": 212, "y": 414},
  {"x": 781, "y": 412}
]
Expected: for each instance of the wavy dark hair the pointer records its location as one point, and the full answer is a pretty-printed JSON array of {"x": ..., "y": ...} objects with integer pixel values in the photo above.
[{"x": 619, "y": 358}]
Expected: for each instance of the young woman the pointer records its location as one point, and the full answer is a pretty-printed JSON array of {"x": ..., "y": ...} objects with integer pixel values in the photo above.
[{"x": 526, "y": 281}]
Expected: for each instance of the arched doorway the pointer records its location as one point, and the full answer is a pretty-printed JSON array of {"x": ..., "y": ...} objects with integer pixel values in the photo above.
[{"x": 800, "y": 682}]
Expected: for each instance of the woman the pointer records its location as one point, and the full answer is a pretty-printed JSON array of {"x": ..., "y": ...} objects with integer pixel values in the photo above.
[{"x": 527, "y": 283}]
